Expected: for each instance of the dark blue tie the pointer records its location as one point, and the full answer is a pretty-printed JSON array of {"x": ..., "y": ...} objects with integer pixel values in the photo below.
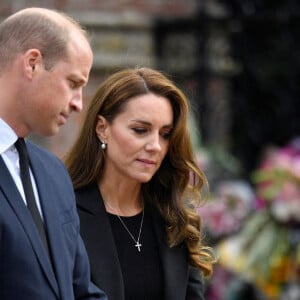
[{"x": 28, "y": 190}]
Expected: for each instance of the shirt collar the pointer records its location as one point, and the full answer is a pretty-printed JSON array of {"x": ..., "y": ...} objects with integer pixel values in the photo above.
[{"x": 8, "y": 136}]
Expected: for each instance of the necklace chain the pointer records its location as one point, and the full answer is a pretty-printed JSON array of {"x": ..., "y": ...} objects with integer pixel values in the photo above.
[{"x": 137, "y": 241}]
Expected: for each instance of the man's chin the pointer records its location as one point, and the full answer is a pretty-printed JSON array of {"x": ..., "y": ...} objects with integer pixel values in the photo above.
[{"x": 48, "y": 133}]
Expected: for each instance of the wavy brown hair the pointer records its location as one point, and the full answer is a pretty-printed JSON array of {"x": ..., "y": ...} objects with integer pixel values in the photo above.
[{"x": 176, "y": 186}]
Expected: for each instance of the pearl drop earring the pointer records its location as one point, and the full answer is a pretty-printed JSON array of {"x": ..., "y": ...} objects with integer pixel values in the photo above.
[{"x": 103, "y": 145}]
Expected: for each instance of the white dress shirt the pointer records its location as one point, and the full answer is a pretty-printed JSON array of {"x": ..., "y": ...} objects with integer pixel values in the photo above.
[{"x": 10, "y": 156}]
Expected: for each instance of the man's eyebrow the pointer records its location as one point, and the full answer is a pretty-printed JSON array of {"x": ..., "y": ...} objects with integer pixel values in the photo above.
[{"x": 77, "y": 76}]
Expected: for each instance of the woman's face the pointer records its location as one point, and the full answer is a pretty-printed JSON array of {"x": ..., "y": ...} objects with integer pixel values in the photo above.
[{"x": 138, "y": 138}]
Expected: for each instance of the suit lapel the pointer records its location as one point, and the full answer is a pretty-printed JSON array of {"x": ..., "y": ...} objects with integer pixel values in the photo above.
[
  {"x": 48, "y": 200},
  {"x": 174, "y": 262},
  {"x": 7, "y": 185},
  {"x": 98, "y": 237}
]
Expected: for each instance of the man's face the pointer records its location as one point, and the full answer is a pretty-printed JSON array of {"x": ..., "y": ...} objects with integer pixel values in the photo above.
[{"x": 54, "y": 94}]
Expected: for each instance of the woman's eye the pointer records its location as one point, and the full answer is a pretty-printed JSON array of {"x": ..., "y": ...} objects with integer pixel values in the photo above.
[
  {"x": 166, "y": 135},
  {"x": 139, "y": 130}
]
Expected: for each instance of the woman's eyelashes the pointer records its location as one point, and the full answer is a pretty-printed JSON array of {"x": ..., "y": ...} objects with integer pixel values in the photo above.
[
  {"x": 139, "y": 130},
  {"x": 142, "y": 131},
  {"x": 166, "y": 135}
]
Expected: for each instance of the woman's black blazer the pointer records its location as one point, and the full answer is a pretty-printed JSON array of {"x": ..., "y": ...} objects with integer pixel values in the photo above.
[{"x": 181, "y": 281}]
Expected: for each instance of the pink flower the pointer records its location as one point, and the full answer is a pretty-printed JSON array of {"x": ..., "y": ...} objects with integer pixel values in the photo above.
[
  {"x": 230, "y": 205},
  {"x": 278, "y": 182}
]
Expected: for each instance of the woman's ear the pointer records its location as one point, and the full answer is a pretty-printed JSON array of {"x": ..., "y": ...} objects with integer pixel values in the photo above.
[{"x": 101, "y": 128}]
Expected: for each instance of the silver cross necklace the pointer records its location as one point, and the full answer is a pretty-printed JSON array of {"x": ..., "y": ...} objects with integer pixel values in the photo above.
[{"x": 138, "y": 245}]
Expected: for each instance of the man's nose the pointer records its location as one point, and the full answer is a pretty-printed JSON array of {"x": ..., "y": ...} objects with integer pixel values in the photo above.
[{"x": 76, "y": 102}]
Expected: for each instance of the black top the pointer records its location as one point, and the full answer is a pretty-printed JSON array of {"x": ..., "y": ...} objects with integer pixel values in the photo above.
[
  {"x": 180, "y": 280},
  {"x": 142, "y": 271}
]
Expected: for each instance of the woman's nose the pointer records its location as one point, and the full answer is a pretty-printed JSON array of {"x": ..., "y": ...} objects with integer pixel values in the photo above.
[{"x": 154, "y": 144}]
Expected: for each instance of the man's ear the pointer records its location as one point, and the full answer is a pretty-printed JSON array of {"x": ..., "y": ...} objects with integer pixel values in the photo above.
[
  {"x": 32, "y": 61},
  {"x": 101, "y": 128}
]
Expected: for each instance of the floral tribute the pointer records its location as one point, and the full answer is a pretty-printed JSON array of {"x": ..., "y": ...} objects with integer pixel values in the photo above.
[
  {"x": 270, "y": 239},
  {"x": 266, "y": 249}
]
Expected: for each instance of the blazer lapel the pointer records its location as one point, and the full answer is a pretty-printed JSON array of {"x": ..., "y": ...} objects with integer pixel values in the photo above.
[
  {"x": 16, "y": 202},
  {"x": 174, "y": 262},
  {"x": 95, "y": 223},
  {"x": 48, "y": 200},
  {"x": 98, "y": 238}
]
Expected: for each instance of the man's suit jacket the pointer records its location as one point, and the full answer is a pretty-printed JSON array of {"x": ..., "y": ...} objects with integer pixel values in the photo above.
[
  {"x": 25, "y": 269},
  {"x": 181, "y": 282}
]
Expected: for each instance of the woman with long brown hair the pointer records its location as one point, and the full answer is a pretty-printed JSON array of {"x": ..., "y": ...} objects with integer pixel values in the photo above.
[{"x": 137, "y": 184}]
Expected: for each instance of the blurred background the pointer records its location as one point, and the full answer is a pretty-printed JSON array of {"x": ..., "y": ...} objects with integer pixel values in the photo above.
[{"x": 238, "y": 62}]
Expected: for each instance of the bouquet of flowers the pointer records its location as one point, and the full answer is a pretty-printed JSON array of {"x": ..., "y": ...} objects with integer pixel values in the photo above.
[
  {"x": 267, "y": 249},
  {"x": 227, "y": 208},
  {"x": 278, "y": 183}
]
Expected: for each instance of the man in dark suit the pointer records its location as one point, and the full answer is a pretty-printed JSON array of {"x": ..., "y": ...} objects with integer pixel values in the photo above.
[{"x": 45, "y": 60}]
